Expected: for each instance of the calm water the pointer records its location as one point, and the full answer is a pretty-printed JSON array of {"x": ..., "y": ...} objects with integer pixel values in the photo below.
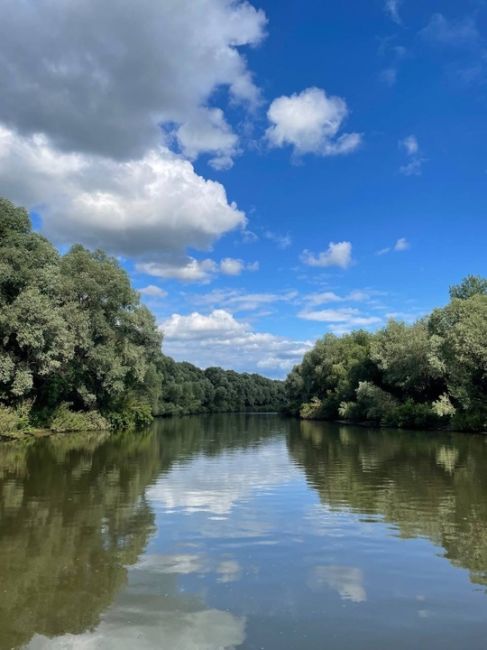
[{"x": 244, "y": 532}]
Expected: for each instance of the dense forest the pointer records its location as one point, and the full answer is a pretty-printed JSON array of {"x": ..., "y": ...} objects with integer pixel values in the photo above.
[
  {"x": 78, "y": 350},
  {"x": 430, "y": 374}
]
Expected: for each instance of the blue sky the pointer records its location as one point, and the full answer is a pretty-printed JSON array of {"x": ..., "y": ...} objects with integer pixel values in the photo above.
[{"x": 266, "y": 172}]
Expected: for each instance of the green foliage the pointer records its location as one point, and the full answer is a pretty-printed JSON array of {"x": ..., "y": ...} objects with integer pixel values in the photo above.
[
  {"x": 187, "y": 390},
  {"x": 65, "y": 420},
  {"x": 14, "y": 422},
  {"x": 73, "y": 331},
  {"x": 427, "y": 375},
  {"x": 472, "y": 285},
  {"x": 133, "y": 414},
  {"x": 312, "y": 410}
]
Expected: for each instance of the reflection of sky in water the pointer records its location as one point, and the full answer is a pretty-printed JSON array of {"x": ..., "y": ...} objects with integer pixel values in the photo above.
[
  {"x": 245, "y": 555},
  {"x": 215, "y": 484},
  {"x": 345, "y": 580}
]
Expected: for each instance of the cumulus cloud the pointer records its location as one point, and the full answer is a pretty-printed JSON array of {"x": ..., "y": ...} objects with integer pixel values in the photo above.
[
  {"x": 151, "y": 291},
  {"x": 103, "y": 108},
  {"x": 209, "y": 132},
  {"x": 310, "y": 122},
  {"x": 105, "y": 76},
  {"x": 218, "y": 338},
  {"x": 232, "y": 266},
  {"x": 150, "y": 208},
  {"x": 193, "y": 270},
  {"x": 337, "y": 254}
]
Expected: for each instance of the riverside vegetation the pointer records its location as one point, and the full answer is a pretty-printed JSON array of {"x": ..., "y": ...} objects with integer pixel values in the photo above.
[
  {"x": 78, "y": 351},
  {"x": 431, "y": 374}
]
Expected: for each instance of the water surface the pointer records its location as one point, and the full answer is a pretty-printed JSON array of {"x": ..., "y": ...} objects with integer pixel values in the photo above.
[{"x": 245, "y": 531}]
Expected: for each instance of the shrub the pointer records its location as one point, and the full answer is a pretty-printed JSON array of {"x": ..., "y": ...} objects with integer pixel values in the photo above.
[
  {"x": 14, "y": 422},
  {"x": 472, "y": 420},
  {"x": 134, "y": 414},
  {"x": 312, "y": 410},
  {"x": 374, "y": 404},
  {"x": 413, "y": 415},
  {"x": 350, "y": 411},
  {"x": 64, "y": 420}
]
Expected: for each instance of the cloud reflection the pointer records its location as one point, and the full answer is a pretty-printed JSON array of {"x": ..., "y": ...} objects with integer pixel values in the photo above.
[
  {"x": 215, "y": 485},
  {"x": 346, "y": 580}
]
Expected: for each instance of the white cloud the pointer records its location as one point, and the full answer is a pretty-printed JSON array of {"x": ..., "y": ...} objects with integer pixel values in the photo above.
[
  {"x": 218, "y": 338},
  {"x": 209, "y": 132},
  {"x": 239, "y": 301},
  {"x": 114, "y": 90},
  {"x": 193, "y": 270},
  {"x": 281, "y": 241},
  {"x": 151, "y": 208},
  {"x": 349, "y": 316},
  {"x": 392, "y": 8},
  {"x": 232, "y": 266},
  {"x": 197, "y": 326},
  {"x": 153, "y": 292},
  {"x": 325, "y": 297},
  {"x": 106, "y": 77},
  {"x": 410, "y": 145},
  {"x": 310, "y": 122},
  {"x": 414, "y": 166},
  {"x": 190, "y": 270},
  {"x": 400, "y": 245},
  {"x": 337, "y": 254}
]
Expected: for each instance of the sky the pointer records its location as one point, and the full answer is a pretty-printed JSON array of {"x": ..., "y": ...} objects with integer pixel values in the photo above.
[{"x": 266, "y": 172}]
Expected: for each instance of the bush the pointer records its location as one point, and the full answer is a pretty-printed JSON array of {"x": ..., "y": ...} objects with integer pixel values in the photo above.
[
  {"x": 413, "y": 415},
  {"x": 14, "y": 422},
  {"x": 474, "y": 420},
  {"x": 374, "y": 404},
  {"x": 134, "y": 414},
  {"x": 312, "y": 410},
  {"x": 350, "y": 411},
  {"x": 64, "y": 420}
]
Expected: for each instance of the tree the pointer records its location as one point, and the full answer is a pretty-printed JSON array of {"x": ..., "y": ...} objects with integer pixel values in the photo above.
[{"x": 470, "y": 286}]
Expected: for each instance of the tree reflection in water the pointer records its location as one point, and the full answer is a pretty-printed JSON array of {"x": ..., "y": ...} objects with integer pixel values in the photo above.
[{"x": 426, "y": 484}]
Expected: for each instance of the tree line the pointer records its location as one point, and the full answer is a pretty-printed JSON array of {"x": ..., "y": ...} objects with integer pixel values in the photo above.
[
  {"x": 78, "y": 350},
  {"x": 430, "y": 374}
]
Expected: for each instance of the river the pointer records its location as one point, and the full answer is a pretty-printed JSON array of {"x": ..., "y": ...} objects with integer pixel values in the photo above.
[{"x": 244, "y": 531}]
